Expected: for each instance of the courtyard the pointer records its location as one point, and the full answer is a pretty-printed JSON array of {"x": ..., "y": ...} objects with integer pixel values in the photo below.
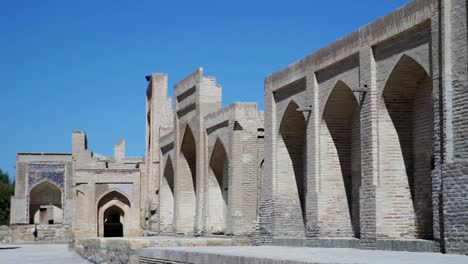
[{"x": 40, "y": 253}]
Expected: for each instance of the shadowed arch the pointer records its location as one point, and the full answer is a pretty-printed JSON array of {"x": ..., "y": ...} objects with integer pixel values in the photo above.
[
  {"x": 45, "y": 203},
  {"x": 290, "y": 171},
  {"x": 109, "y": 219},
  {"x": 340, "y": 178},
  {"x": 187, "y": 182},
  {"x": 113, "y": 221},
  {"x": 402, "y": 60},
  {"x": 188, "y": 151},
  {"x": 167, "y": 197},
  {"x": 406, "y": 129},
  {"x": 218, "y": 189}
]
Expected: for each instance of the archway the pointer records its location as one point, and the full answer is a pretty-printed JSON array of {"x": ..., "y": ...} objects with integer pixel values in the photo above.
[
  {"x": 187, "y": 182},
  {"x": 167, "y": 197},
  {"x": 405, "y": 142},
  {"x": 340, "y": 165},
  {"x": 112, "y": 209},
  {"x": 45, "y": 204},
  {"x": 113, "y": 218},
  {"x": 290, "y": 171},
  {"x": 218, "y": 189}
]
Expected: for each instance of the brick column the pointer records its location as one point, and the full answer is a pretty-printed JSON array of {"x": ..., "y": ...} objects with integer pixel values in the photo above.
[
  {"x": 312, "y": 159},
  {"x": 266, "y": 206},
  {"x": 236, "y": 191},
  {"x": 369, "y": 149}
]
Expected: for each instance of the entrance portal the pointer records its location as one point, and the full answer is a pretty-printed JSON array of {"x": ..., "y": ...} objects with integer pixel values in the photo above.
[{"x": 112, "y": 222}]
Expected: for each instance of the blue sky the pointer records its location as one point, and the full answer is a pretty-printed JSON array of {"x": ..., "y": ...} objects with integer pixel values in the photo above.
[{"x": 80, "y": 65}]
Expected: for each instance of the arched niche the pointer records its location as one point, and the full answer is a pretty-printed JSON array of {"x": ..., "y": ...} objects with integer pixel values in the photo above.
[
  {"x": 120, "y": 205},
  {"x": 187, "y": 182},
  {"x": 45, "y": 204},
  {"x": 167, "y": 198},
  {"x": 340, "y": 163},
  {"x": 405, "y": 153},
  {"x": 218, "y": 190},
  {"x": 290, "y": 173}
]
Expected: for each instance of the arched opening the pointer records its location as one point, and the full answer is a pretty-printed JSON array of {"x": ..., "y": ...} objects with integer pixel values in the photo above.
[
  {"x": 290, "y": 171},
  {"x": 218, "y": 184},
  {"x": 45, "y": 204},
  {"x": 167, "y": 197},
  {"x": 187, "y": 182},
  {"x": 406, "y": 128},
  {"x": 340, "y": 164},
  {"x": 112, "y": 209},
  {"x": 113, "y": 218}
]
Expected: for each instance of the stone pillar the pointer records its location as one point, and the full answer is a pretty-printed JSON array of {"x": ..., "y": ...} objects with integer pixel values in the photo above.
[{"x": 369, "y": 148}]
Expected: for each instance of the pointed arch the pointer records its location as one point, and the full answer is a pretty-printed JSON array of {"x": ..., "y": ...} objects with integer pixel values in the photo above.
[
  {"x": 187, "y": 182},
  {"x": 218, "y": 189},
  {"x": 189, "y": 154},
  {"x": 290, "y": 173},
  {"x": 45, "y": 203},
  {"x": 405, "y": 142},
  {"x": 406, "y": 59},
  {"x": 113, "y": 194},
  {"x": 112, "y": 199},
  {"x": 167, "y": 197},
  {"x": 340, "y": 174}
]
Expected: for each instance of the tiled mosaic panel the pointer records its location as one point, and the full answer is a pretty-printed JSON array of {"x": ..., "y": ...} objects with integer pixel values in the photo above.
[{"x": 54, "y": 173}]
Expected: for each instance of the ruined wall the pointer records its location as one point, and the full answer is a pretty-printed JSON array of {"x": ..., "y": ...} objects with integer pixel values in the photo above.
[
  {"x": 159, "y": 120},
  {"x": 105, "y": 185},
  {"x": 196, "y": 95}
]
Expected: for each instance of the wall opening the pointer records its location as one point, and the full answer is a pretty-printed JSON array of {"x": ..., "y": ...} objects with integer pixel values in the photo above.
[
  {"x": 167, "y": 198},
  {"x": 218, "y": 190},
  {"x": 187, "y": 182},
  {"x": 290, "y": 174},
  {"x": 45, "y": 204},
  {"x": 113, "y": 218},
  {"x": 112, "y": 209},
  {"x": 340, "y": 164},
  {"x": 406, "y": 128}
]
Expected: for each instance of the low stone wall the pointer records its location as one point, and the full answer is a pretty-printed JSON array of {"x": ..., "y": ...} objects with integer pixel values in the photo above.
[
  {"x": 125, "y": 250},
  {"x": 4, "y": 234},
  {"x": 40, "y": 233}
]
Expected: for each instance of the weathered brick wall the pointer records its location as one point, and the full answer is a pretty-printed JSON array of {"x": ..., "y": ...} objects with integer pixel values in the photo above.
[
  {"x": 410, "y": 81},
  {"x": 455, "y": 173}
]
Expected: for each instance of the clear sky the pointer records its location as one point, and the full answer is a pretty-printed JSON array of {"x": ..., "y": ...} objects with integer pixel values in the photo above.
[{"x": 80, "y": 65}]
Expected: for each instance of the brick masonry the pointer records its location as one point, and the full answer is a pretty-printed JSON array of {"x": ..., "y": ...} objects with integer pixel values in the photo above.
[{"x": 386, "y": 136}]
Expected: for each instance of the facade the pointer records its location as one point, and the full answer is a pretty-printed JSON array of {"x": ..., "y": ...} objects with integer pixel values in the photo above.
[
  {"x": 363, "y": 144},
  {"x": 64, "y": 196},
  {"x": 366, "y": 138},
  {"x": 42, "y": 206},
  {"x": 205, "y": 159},
  {"x": 106, "y": 200}
]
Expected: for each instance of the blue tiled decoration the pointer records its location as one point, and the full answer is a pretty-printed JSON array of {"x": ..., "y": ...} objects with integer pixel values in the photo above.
[{"x": 54, "y": 173}]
